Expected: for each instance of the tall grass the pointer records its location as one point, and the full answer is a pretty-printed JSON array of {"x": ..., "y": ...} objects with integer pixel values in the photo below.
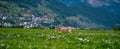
[{"x": 15, "y": 38}]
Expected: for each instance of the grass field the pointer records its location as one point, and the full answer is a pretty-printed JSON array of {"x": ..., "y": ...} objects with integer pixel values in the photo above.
[{"x": 14, "y": 38}]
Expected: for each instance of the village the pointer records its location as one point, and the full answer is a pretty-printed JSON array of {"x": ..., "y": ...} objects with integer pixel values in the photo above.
[{"x": 25, "y": 22}]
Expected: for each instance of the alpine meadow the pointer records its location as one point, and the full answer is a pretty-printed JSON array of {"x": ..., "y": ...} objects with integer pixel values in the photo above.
[
  {"x": 15, "y": 38},
  {"x": 59, "y": 24}
]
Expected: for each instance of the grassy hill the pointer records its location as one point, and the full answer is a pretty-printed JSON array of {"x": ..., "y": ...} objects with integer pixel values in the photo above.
[{"x": 15, "y": 38}]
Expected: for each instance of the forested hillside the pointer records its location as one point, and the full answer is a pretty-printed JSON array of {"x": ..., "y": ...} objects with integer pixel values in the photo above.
[{"x": 51, "y": 13}]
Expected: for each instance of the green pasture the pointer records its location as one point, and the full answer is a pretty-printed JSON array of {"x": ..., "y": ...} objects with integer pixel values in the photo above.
[{"x": 15, "y": 38}]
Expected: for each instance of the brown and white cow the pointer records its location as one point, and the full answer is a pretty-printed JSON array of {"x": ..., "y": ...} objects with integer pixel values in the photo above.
[{"x": 63, "y": 29}]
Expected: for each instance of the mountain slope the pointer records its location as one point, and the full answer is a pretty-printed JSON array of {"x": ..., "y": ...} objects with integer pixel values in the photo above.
[
  {"x": 99, "y": 11},
  {"x": 111, "y": 6},
  {"x": 97, "y": 15},
  {"x": 49, "y": 13}
]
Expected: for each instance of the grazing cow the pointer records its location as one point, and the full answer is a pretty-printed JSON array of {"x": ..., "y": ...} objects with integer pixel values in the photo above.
[{"x": 63, "y": 29}]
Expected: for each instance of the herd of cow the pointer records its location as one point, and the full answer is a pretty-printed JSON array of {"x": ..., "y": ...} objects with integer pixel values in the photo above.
[{"x": 63, "y": 29}]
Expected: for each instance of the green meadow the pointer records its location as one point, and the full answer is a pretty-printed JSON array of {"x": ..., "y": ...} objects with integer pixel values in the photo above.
[{"x": 16, "y": 38}]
